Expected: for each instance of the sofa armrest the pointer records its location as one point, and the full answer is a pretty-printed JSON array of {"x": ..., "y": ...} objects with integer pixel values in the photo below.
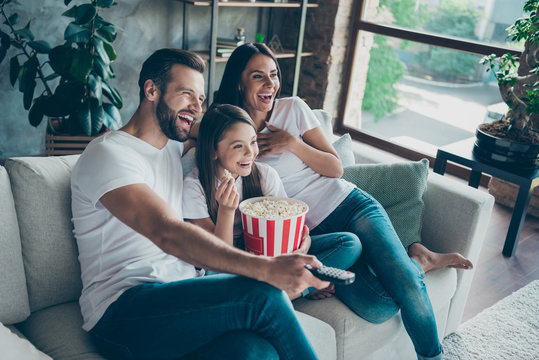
[{"x": 456, "y": 218}]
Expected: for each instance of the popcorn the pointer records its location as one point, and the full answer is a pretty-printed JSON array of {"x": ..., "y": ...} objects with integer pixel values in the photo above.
[
  {"x": 227, "y": 174},
  {"x": 274, "y": 209},
  {"x": 271, "y": 225}
]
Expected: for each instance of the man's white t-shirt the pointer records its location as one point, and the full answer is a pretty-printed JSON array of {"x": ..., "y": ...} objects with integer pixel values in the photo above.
[
  {"x": 323, "y": 194},
  {"x": 194, "y": 198},
  {"x": 114, "y": 257}
]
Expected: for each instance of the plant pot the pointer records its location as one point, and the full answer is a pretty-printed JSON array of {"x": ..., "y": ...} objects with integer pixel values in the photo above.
[
  {"x": 65, "y": 144},
  {"x": 505, "y": 153}
]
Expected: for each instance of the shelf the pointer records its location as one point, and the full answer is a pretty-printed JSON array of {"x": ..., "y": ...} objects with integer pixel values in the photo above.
[
  {"x": 248, "y": 4},
  {"x": 286, "y": 55}
]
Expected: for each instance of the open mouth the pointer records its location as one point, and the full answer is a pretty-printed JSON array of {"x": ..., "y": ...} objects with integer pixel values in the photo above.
[
  {"x": 244, "y": 165},
  {"x": 266, "y": 98},
  {"x": 186, "y": 118}
]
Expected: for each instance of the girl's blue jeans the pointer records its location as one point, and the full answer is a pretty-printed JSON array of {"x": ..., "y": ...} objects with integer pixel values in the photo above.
[
  {"x": 387, "y": 279},
  {"x": 222, "y": 315}
]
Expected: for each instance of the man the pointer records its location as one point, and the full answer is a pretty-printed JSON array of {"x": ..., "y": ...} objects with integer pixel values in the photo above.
[{"x": 144, "y": 295}]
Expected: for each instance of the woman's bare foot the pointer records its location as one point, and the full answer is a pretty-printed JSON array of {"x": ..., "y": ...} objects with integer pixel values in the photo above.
[
  {"x": 322, "y": 293},
  {"x": 430, "y": 260}
]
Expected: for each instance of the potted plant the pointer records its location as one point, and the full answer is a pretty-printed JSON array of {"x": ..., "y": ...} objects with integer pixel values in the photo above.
[
  {"x": 81, "y": 101},
  {"x": 513, "y": 141}
]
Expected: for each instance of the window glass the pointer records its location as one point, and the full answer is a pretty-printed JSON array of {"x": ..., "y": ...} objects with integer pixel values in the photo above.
[
  {"x": 418, "y": 95},
  {"x": 479, "y": 20}
]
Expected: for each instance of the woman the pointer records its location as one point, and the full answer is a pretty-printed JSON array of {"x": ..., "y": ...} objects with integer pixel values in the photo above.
[
  {"x": 226, "y": 174},
  {"x": 291, "y": 140}
]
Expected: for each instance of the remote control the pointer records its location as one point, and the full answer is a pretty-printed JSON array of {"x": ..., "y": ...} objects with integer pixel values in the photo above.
[{"x": 334, "y": 275}]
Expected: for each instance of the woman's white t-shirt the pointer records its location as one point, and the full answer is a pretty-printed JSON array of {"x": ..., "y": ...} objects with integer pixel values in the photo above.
[
  {"x": 323, "y": 194},
  {"x": 114, "y": 257},
  {"x": 194, "y": 198}
]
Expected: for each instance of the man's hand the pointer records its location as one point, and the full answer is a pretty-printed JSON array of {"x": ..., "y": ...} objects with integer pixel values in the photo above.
[
  {"x": 288, "y": 272},
  {"x": 305, "y": 243}
]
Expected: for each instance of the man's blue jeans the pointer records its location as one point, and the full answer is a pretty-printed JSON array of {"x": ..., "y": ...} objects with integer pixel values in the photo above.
[
  {"x": 172, "y": 320},
  {"x": 387, "y": 279}
]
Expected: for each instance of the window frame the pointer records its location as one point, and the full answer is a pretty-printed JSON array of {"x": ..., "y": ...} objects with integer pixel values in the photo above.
[{"x": 357, "y": 25}]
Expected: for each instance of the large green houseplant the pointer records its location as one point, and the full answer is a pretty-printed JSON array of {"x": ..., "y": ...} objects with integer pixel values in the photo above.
[
  {"x": 74, "y": 75},
  {"x": 518, "y": 81}
]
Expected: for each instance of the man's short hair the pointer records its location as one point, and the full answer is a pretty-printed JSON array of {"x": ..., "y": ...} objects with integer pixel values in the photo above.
[{"x": 157, "y": 67}]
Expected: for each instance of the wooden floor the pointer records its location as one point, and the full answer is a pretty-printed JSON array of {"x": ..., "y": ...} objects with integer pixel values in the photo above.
[{"x": 497, "y": 276}]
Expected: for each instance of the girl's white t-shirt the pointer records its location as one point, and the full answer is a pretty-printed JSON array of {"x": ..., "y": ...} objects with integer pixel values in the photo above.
[
  {"x": 114, "y": 257},
  {"x": 323, "y": 194},
  {"x": 194, "y": 198}
]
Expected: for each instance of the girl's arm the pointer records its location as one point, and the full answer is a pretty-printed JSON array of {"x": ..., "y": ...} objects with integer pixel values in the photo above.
[{"x": 315, "y": 150}]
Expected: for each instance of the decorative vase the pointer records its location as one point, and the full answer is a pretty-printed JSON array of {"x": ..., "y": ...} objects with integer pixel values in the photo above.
[{"x": 505, "y": 153}]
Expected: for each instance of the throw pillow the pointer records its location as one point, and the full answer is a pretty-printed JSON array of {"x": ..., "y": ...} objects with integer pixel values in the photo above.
[
  {"x": 399, "y": 188},
  {"x": 343, "y": 146},
  {"x": 15, "y": 347}
]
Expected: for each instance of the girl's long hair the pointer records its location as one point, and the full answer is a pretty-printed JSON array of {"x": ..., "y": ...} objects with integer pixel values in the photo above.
[
  {"x": 217, "y": 120},
  {"x": 229, "y": 90}
]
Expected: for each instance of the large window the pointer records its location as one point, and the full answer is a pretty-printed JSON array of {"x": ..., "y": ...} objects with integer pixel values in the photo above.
[{"x": 414, "y": 81}]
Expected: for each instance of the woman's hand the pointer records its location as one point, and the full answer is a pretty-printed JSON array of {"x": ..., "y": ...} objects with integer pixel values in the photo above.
[
  {"x": 305, "y": 243},
  {"x": 276, "y": 141},
  {"x": 226, "y": 195}
]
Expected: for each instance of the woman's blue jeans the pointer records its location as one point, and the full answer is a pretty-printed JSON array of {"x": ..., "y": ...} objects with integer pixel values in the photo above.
[
  {"x": 387, "y": 279},
  {"x": 340, "y": 250},
  {"x": 196, "y": 317}
]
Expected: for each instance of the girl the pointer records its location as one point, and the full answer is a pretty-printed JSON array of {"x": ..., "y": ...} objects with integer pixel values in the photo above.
[
  {"x": 291, "y": 141},
  {"x": 227, "y": 145}
]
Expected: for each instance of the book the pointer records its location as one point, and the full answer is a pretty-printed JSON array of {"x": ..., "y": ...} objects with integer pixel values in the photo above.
[{"x": 229, "y": 42}]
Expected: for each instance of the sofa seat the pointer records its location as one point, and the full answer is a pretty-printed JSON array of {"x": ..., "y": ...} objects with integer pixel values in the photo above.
[{"x": 376, "y": 341}]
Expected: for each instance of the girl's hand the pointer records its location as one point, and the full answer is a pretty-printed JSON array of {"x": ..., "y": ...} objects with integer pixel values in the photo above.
[
  {"x": 305, "y": 243},
  {"x": 226, "y": 195},
  {"x": 276, "y": 141}
]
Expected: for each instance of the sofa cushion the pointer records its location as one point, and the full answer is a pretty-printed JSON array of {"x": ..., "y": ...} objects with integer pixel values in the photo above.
[
  {"x": 343, "y": 146},
  {"x": 399, "y": 187},
  {"x": 42, "y": 194},
  {"x": 57, "y": 331},
  {"x": 357, "y": 336},
  {"x": 15, "y": 347},
  {"x": 320, "y": 334},
  {"x": 14, "y": 306}
]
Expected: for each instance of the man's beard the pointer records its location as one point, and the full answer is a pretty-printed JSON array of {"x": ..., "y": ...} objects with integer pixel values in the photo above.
[{"x": 167, "y": 122}]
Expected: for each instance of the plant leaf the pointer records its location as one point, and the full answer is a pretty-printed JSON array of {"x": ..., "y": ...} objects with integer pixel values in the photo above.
[
  {"x": 84, "y": 116},
  {"x": 67, "y": 2},
  {"x": 60, "y": 58},
  {"x": 110, "y": 51},
  {"x": 25, "y": 33},
  {"x": 13, "y": 20},
  {"x": 98, "y": 117},
  {"x": 67, "y": 97},
  {"x": 113, "y": 120},
  {"x": 40, "y": 46},
  {"x": 85, "y": 13},
  {"x": 107, "y": 32},
  {"x": 105, "y": 3},
  {"x": 14, "y": 69},
  {"x": 35, "y": 115},
  {"x": 100, "y": 49},
  {"x": 104, "y": 71},
  {"x": 27, "y": 74},
  {"x": 77, "y": 34},
  {"x": 3, "y": 52},
  {"x": 5, "y": 40},
  {"x": 112, "y": 94},
  {"x": 81, "y": 65},
  {"x": 96, "y": 87},
  {"x": 28, "y": 94}
]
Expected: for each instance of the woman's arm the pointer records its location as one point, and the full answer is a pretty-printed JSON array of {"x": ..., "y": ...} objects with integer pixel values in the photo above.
[{"x": 315, "y": 150}]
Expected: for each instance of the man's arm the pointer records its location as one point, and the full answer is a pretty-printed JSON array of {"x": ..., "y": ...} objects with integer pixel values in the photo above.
[{"x": 141, "y": 209}]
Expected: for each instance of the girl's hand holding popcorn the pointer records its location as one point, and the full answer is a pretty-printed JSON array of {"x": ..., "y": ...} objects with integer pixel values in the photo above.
[{"x": 226, "y": 195}]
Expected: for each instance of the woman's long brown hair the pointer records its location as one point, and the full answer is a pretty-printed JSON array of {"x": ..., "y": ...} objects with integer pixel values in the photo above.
[{"x": 217, "y": 120}]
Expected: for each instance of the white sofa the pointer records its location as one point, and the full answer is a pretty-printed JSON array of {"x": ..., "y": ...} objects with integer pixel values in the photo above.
[{"x": 40, "y": 282}]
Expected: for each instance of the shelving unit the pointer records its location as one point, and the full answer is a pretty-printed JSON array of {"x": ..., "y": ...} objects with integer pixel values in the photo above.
[{"x": 210, "y": 55}]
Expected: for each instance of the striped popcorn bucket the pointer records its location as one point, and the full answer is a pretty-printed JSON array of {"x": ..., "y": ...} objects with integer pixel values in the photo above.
[{"x": 272, "y": 236}]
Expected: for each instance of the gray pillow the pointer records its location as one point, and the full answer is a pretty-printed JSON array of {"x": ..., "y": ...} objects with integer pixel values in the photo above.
[
  {"x": 399, "y": 188},
  {"x": 343, "y": 146}
]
